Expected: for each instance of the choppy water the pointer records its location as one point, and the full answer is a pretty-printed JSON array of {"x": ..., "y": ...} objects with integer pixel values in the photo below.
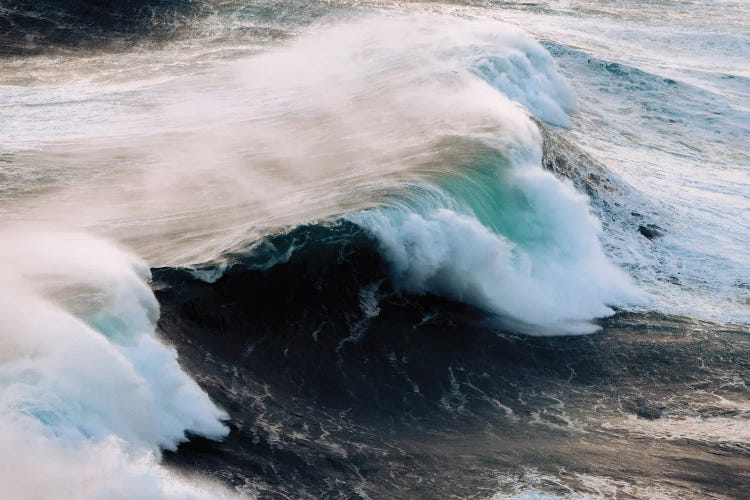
[{"x": 376, "y": 233}]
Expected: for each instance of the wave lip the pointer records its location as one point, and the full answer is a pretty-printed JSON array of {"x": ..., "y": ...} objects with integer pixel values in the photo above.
[{"x": 541, "y": 265}]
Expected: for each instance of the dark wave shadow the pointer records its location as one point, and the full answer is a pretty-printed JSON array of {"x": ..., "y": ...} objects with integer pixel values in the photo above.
[{"x": 339, "y": 385}]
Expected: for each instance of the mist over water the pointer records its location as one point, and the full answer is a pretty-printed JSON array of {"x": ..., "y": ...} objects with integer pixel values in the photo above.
[{"x": 338, "y": 204}]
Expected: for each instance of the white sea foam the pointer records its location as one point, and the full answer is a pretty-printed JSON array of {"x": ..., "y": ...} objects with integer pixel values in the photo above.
[
  {"x": 664, "y": 99},
  {"x": 89, "y": 396},
  {"x": 558, "y": 280}
]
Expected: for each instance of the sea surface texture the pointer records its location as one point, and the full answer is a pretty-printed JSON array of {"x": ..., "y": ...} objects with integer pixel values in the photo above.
[{"x": 368, "y": 249}]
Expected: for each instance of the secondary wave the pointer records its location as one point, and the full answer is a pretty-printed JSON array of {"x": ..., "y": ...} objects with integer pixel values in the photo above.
[{"x": 89, "y": 395}]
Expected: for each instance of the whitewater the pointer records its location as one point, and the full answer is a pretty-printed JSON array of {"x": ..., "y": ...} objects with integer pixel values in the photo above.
[{"x": 279, "y": 171}]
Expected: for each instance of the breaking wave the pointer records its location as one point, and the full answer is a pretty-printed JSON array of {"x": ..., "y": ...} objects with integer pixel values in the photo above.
[
  {"x": 403, "y": 158},
  {"x": 89, "y": 395}
]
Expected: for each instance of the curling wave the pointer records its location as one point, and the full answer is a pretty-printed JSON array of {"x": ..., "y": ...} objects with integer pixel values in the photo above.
[
  {"x": 417, "y": 150},
  {"x": 511, "y": 240},
  {"x": 425, "y": 136}
]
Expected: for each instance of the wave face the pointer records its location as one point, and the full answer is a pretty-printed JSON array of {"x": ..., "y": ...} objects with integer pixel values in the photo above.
[{"x": 341, "y": 384}]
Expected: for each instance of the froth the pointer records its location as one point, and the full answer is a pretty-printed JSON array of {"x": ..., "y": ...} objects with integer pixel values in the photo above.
[{"x": 89, "y": 395}]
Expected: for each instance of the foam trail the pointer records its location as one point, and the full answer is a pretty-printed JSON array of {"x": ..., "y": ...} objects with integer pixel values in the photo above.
[{"x": 89, "y": 396}]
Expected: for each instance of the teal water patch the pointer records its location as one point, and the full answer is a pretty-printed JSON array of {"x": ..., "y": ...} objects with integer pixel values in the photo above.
[{"x": 482, "y": 186}]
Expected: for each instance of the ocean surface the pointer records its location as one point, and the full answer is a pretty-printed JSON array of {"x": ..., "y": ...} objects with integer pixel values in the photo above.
[{"x": 362, "y": 249}]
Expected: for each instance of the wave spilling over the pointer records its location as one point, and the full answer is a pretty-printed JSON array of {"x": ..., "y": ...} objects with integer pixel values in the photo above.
[
  {"x": 393, "y": 112},
  {"x": 90, "y": 396},
  {"x": 356, "y": 250},
  {"x": 542, "y": 266}
]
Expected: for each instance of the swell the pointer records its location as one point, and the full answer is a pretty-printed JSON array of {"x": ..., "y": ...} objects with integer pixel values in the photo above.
[
  {"x": 61, "y": 27},
  {"x": 338, "y": 383},
  {"x": 29, "y": 27}
]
